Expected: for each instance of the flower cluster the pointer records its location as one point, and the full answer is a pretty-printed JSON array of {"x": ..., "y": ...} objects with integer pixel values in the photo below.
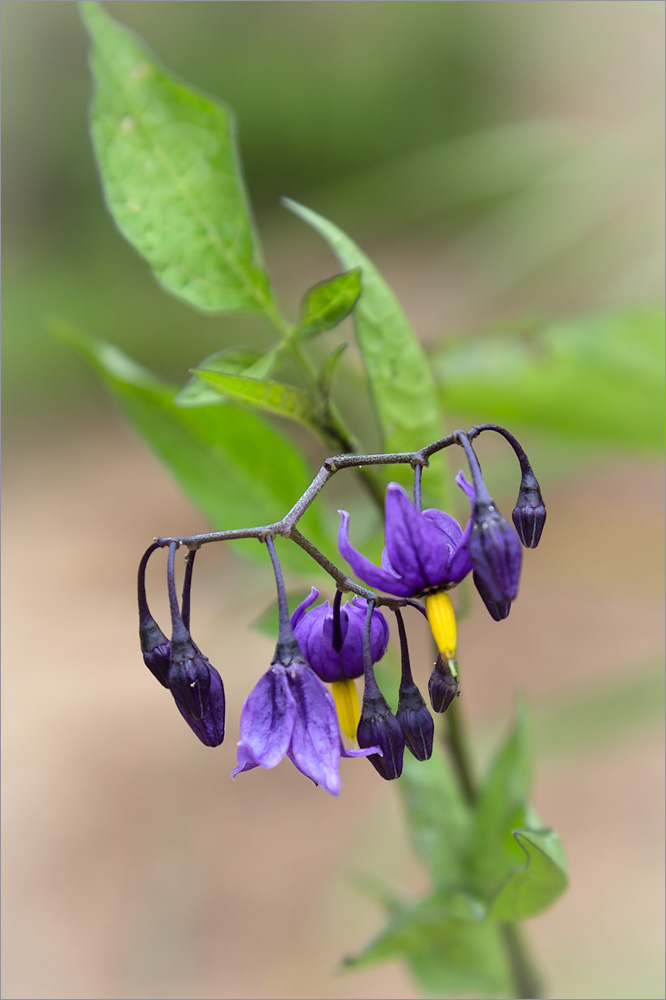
[{"x": 291, "y": 711}]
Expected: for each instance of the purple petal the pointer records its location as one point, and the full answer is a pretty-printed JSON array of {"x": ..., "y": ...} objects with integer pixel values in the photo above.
[
  {"x": 303, "y": 606},
  {"x": 267, "y": 722},
  {"x": 466, "y": 487},
  {"x": 381, "y": 579},
  {"x": 415, "y": 544},
  {"x": 362, "y": 752},
  {"x": 315, "y": 743}
]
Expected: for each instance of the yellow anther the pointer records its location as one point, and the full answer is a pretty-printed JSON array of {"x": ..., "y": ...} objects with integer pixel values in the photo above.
[
  {"x": 346, "y": 702},
  {"x": 442, "y": 622}
]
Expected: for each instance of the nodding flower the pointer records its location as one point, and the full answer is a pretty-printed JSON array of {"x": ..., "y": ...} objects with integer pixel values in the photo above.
[{"x": 331, "y": 639}]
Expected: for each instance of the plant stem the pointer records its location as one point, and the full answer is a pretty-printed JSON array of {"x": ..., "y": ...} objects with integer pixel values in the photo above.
[
  {"x": 525, "y": 978},
  {"x": 457, "y": 746}
]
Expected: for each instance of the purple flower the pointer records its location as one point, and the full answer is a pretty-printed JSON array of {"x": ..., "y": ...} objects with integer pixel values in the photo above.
[
  {"x": 424, "y": 550},
  {"x": 290, "y": 713},
  {"x": 315, "y": 634}
]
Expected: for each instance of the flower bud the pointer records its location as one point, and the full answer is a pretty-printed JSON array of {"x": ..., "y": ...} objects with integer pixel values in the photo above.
[
  {"x": 495, "y": 551},
  {"x": 379, "y": 727},
  {"x": 443, "y": 684},
  {"x": 529, "y": 514},
  {"x": 415, "y": 721},
  {"x": 155, "y": 647},
  {"x": 210, "y": 727},
  {"x": 499, "y": 610},
  {"x": 189, "y": 678}
]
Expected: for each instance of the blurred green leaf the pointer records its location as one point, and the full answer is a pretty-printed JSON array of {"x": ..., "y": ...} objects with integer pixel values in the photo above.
[
  {"x": 448, "y": 951},
  {"x": 328, "y": 303},
  {"x": 597, "y": 377},
  {"x": 438, "y": 817},
  {"x": 398, "y": 372},
  {"x": 274, "y": 397},
  {"x": 171, "y": 174},
  {"x": 230, "y": 360},
  {"x": 233, "y": 466},
  {"x": 534, "y": 887},
  {"x": 500, "y": 809}
]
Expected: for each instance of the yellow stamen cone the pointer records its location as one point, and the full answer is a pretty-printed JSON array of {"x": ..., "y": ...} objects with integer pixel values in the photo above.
[
  {"x": 442, "y": 621},
  {"x": 345, "y": 696}
]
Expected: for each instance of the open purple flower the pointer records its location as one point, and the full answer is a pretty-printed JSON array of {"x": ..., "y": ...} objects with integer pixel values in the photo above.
[
  {"x": 424, "y": 551},
  {"x": 290, "y": 713},
  {"x": 315, "y": 634}
]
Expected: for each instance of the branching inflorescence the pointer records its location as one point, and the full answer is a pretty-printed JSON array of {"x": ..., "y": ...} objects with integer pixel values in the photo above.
[{"x": 291, "y": 712}]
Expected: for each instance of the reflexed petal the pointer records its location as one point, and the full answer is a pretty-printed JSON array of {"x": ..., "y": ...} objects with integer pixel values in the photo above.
[
  {"x": 460, "y": 563},
  {"x": 382, "y": 579},
  {"x": 315, "y": 742},
  {"x": 303, "y": 606},
  {"x": 352, "y": 651},
  {"x": 466, "y": 487},
  {"x": 267, "y": 721}
]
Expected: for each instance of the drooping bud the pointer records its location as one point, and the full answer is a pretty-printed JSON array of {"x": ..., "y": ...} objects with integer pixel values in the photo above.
[
  {"x": 210, "y": 727},
  {"x": 443, "y": 684},
  {"x": 529, "y": 514},
  {"x": 499, "y": 610},
  {"x": 378, "y": 725},
  {"x": 493, "y": 546},
  {"x": 415, "y": 720},
  {"x": 155, "y": 646},
  {"x": 189, "y": 678}
]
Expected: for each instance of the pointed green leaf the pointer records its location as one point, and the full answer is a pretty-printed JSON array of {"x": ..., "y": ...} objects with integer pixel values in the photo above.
[
  {"x": 171, "y": 174},
  {"x": 231, "y": 464},
  {"x": 398, "y": 371},
  {"x": 231, "y": 360},
  {"x": 535, "y": 886},
  {"x": 328, "y": 303},
  {"x": 448, "y": 951},
  {"x": 274, "y": 397}
]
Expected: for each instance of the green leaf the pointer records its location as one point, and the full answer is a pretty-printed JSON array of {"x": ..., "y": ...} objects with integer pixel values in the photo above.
[
  {"x": 171, "y": 174},
  {"x": 231, "y": 361},
  {"x": 438, "y": 817},
  {"x": 397, "y": 369},
  {"x": 328, "y": 303},
  {"x": 274, "y": 397},
  {"x": 592, "y": 378},
  {"x": 448, "y": 951},
  {"x": 231, "y": 464},
  {"x": 501, "y": 807},
  {"x": 534, "y": 887}
]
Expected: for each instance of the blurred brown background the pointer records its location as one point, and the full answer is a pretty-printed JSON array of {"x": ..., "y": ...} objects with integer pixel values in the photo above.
[{"x": 132, "y": 866}]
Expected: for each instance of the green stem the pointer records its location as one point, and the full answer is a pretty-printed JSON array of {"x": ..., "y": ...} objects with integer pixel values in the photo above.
[{"x": 526, "y": 981}]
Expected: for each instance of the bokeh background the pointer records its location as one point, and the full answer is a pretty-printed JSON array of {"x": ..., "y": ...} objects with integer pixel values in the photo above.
[{"x": 499, "y": 162}]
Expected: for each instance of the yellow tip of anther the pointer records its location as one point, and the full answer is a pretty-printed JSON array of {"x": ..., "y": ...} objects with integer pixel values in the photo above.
[
  {"x": 346, "y": 702},
  {"x": 442, "y": 621}
]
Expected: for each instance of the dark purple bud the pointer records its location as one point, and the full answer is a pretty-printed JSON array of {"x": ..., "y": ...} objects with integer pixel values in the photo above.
[
  {"x": 529, "y": 514},
  {"x": 189, "y": 678},
  {"x": 499, "y": 610},
  {"x": 210, "y": 727},
  {"x": 415, "y": 721},
  {"x": 495, "y": 551},
  {"x": 379, "y": 727},
  {"x": 156, "y": 649},
  {"x": 443, "y": 684}
]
